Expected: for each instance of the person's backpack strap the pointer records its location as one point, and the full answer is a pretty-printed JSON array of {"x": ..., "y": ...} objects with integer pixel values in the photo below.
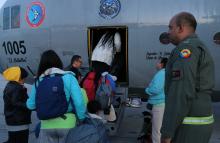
[{"x": 102, "y": 79}]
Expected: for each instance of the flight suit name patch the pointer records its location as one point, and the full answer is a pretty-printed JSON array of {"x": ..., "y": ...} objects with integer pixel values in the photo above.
[
  {"x": 176, "y": 74},
  {"x": 185, "y": 53}
]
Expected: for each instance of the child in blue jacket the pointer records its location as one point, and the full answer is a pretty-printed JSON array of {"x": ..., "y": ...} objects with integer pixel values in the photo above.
[{"x": 155, "y": 90}]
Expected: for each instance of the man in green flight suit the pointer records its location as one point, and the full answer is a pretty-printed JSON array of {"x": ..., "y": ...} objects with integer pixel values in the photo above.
[{"x": 188, "y": 116}]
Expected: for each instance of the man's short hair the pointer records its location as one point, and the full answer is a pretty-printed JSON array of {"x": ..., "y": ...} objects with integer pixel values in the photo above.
[
  {"x": 75, "y": 58},
  {"x": 186, "y": 18}
]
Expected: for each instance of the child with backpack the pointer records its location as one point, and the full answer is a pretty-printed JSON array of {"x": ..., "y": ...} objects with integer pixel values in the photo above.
[
  {"x": 57, "y": 98},
  {"x": 91, "y": 80},
  {"x": 17, "y": 115},
  {"x": 102, "y": 91}
]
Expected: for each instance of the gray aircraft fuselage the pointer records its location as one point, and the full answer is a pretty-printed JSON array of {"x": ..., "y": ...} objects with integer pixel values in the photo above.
[{"x": 68, "y": 27}]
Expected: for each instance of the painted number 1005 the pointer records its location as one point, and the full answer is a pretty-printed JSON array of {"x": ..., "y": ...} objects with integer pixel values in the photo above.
[{"x": 14, "y": 47}]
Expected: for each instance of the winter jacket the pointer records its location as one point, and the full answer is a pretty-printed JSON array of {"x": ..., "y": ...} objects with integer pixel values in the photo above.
[
  {"x": 155, "y": 90},
  {"x": 15, "y": 110}
]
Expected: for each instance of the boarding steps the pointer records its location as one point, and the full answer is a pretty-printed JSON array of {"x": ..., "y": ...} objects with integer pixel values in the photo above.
[{"x": 112, "y": 127}]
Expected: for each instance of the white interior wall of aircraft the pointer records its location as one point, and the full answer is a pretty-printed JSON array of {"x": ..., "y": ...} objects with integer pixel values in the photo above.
[{"x": 65, "y": 29}]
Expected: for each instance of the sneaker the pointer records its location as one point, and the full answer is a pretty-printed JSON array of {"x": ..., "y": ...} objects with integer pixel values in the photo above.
[{"x": 135, "y": 102}]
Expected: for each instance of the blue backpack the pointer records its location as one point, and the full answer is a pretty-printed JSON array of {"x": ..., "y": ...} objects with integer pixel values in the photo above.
[
  {"x": 104, "y": 93},
  {"x": 50, "y": 98}
]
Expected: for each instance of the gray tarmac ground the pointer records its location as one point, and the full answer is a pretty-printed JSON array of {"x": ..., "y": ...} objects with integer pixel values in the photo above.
[{"x": 129, "y": 128}]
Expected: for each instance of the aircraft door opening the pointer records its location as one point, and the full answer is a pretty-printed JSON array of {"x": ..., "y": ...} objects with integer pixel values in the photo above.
[{"x": 119, "y": 63}]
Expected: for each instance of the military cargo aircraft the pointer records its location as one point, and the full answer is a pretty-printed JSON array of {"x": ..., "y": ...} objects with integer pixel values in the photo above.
[
  {"x": 27, "y": 28},
  {"x": 69, "y": 27}
]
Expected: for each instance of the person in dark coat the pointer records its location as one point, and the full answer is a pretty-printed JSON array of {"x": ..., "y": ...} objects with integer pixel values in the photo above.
[{"x": 17, "y": 115}]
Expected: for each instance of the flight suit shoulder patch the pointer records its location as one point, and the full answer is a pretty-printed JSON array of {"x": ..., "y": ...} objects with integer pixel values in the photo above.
[{"x": 185, "y": 53}]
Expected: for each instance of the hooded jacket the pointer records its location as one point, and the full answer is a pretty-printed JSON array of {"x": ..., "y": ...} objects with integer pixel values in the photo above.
[
  {"x": 155, "y": 90},
  {"x": 71, "y": 89},
  {"x": 15, "y": 96}
]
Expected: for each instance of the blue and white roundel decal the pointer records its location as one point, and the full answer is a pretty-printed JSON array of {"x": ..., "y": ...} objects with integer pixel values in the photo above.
[
  {"x": 109, "y": 8},
  {"x": 35, "y": 14}
]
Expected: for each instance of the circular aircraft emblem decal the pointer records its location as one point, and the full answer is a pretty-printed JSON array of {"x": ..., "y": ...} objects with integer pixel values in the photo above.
[
  {"x": 35, "y": 14},
  {"x": 109, "y": 8}
]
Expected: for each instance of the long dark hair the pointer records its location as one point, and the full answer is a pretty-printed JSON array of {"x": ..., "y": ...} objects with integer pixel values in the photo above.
[
  {"x": 109, "y": 36},
  {"x": 48, "y": 60}
]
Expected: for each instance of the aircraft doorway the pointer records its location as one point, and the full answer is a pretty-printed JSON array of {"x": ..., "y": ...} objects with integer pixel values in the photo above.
[{"x": 119, "y": 66}]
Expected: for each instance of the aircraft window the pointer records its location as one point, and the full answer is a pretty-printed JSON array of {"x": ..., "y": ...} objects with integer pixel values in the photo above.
[
  {"x": 6, "y": 18},
  {"x": 216, "y": 38},
  {"x": 164, "y": 38},
  {"x": 15, "y": 16}
]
